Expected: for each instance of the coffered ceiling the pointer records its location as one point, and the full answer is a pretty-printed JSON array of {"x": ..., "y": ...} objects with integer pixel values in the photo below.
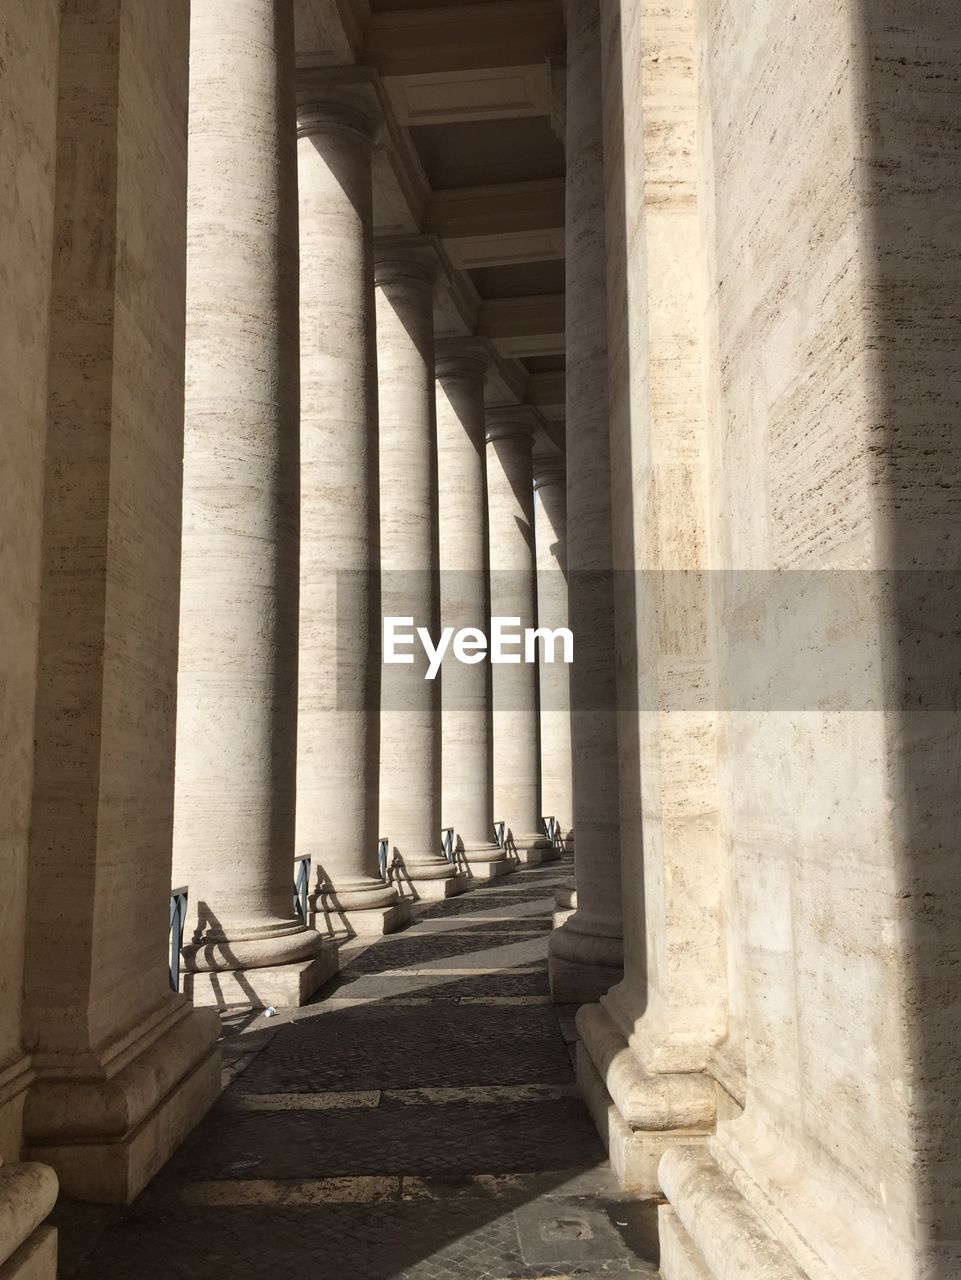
[{"x": 471, "y": 155}]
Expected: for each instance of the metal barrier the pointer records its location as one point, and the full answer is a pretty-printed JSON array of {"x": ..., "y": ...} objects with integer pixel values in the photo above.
[
  {"x": 178, "y": 916},
  {"x": 552, "y": 829},
  {"x": 500, "y": 834},
  {"x": 447, "y": 843},
  {"x": 301, "y": 886},
  {"x": 382, "y": 849}
]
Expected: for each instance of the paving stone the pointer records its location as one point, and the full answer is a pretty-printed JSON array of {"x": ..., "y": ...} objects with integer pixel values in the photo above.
[{"x": 418, "y": 1122}]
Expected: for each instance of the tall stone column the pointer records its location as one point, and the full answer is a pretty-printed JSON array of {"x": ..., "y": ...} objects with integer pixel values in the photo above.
[
  {"x": 468, "y": 784},
  {"x": 237, "y": 709},
  {"x": 28, "y": 106},
  {"x": 645, "y": 1048},
  {"x": 550, "y": 539},
  {"x": 586, "y": 953},
  {"x": 410, "y": 755},
  {"x": 338, "y": 750},
  {"x": 510, "y": 505},
  {"x": 123, "y": 1068}
]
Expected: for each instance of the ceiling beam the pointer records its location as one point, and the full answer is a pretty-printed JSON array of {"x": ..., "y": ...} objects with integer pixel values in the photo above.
[
  {"x": 528, "y": 326},
  {"x": 503, "y": 209},
  {"x": 547, "y": 391},
  {"x": 499, "y": 33},
  {"x": 489, "y": 93}
]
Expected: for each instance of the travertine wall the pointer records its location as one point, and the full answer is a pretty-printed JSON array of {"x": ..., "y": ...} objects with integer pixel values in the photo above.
[{"x": 837, "y": 192}]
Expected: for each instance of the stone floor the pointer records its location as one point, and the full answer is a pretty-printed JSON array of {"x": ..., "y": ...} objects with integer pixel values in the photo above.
[{"x": 418, "y": 1121}]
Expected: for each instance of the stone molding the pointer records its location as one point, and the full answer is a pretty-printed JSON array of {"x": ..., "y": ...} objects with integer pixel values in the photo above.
[
  {"x": 645, "y": 1101},
  {"x": 28, "y": 1193},
  {"x": 319, "y": 115},
  {"x": 512, "y": 422},
  {"x": 549, "y": 471},
  {"x": 461, "y": 358}
]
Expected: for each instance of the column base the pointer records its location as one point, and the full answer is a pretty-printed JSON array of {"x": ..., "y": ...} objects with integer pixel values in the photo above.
[
  {"x": 572, "y": 982},
  {"x": 711, "y": 1230},
  {"x": 281, "y": 985},
  {"x": 28, "y": 1250},
  {"x": 437, "y": 890},
  {"x": 36, "y": 1259},
  {"x": 634, "y": 1156},
  {"x": 566, "y": 898},
  {"x": 639, "y": 1114},
  {"x": 372, "y": 923},
  {"x": 106, "y": 1123},
  {"x": 679, "y": 1258},
  {"x": 490, "y": 869},
  {"x": 533, "y": 855}
]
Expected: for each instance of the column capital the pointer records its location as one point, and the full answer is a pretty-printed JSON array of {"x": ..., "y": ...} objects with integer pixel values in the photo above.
[
  {"x": 513, "y": 422},
  {"x": 462, "y": 357},
  {"x": 321, "y": 114},
  {"x": 549, "y": 469},
  {"x": 411, "y": 260}
]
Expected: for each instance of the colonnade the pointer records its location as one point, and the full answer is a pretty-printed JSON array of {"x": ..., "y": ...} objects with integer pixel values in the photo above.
[{"x": 331, "y": 446}]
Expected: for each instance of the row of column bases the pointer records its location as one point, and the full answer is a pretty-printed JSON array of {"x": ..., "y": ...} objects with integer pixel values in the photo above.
[{"x": 327, "y": 484}]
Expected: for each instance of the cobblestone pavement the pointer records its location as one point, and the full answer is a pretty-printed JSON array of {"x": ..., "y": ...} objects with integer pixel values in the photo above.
[{"x": 418, "y": 1121}]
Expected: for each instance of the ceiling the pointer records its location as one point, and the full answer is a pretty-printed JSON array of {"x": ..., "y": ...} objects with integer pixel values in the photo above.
[{"x": 472, "y": 156}]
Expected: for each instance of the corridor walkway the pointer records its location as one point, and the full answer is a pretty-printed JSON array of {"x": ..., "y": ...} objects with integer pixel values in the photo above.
[{"x": 419, "y": 1122}]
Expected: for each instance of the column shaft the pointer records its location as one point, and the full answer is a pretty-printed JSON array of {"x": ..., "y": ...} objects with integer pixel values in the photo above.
[
  {"x": 28, "y": 106},
  {"x": 337, "y": 770},
  {"x": 586, "y": 952},
  {"x": 410, "y": 763},
  {"x": 516, "y": 754},
  {"x": 123, "y": 1067},
  {"x": 550, "y": 538},
  {"x": 467, "y": 786},
  {"x": 237, "y": 720}
]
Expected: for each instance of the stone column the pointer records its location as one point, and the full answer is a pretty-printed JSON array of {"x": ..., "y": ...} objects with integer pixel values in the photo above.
[
  {"x": 586, "y": 953},
  {"x": 338, "y": 750},
  {"x": 410, "y": 755},
  {"x": 510, "y": 505},
  {"x": 645, "y": 1048},
  {"x": 550, "y": 539},
  {"x": 468, "y": 785},
  {"x": 237, "y": 709},
  {"x": 123, "y": 1067},
  {"x": 28, "y": 106}
]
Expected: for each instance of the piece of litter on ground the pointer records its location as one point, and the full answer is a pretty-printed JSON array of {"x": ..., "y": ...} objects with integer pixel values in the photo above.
[{"x": 270, "y": 1011}]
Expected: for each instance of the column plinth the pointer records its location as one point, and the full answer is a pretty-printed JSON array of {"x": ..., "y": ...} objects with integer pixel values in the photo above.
[
  {"x": 467, "y": 788},
  {"x": 237, "y": 721},
  {"x": 340, "y": 644}
]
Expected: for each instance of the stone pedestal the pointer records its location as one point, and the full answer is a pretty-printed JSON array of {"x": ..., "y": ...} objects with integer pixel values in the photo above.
[
  {"x": 339, "y": 730},
  {"x": 586, "y": 951},
  {"x": 410, "y": 720},
  {"x": 510, "y": 506},
  {"x": 467, "y": 785},
  {"x": 123, "y": 1068},
  {"x": 237, "y": 721}
]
